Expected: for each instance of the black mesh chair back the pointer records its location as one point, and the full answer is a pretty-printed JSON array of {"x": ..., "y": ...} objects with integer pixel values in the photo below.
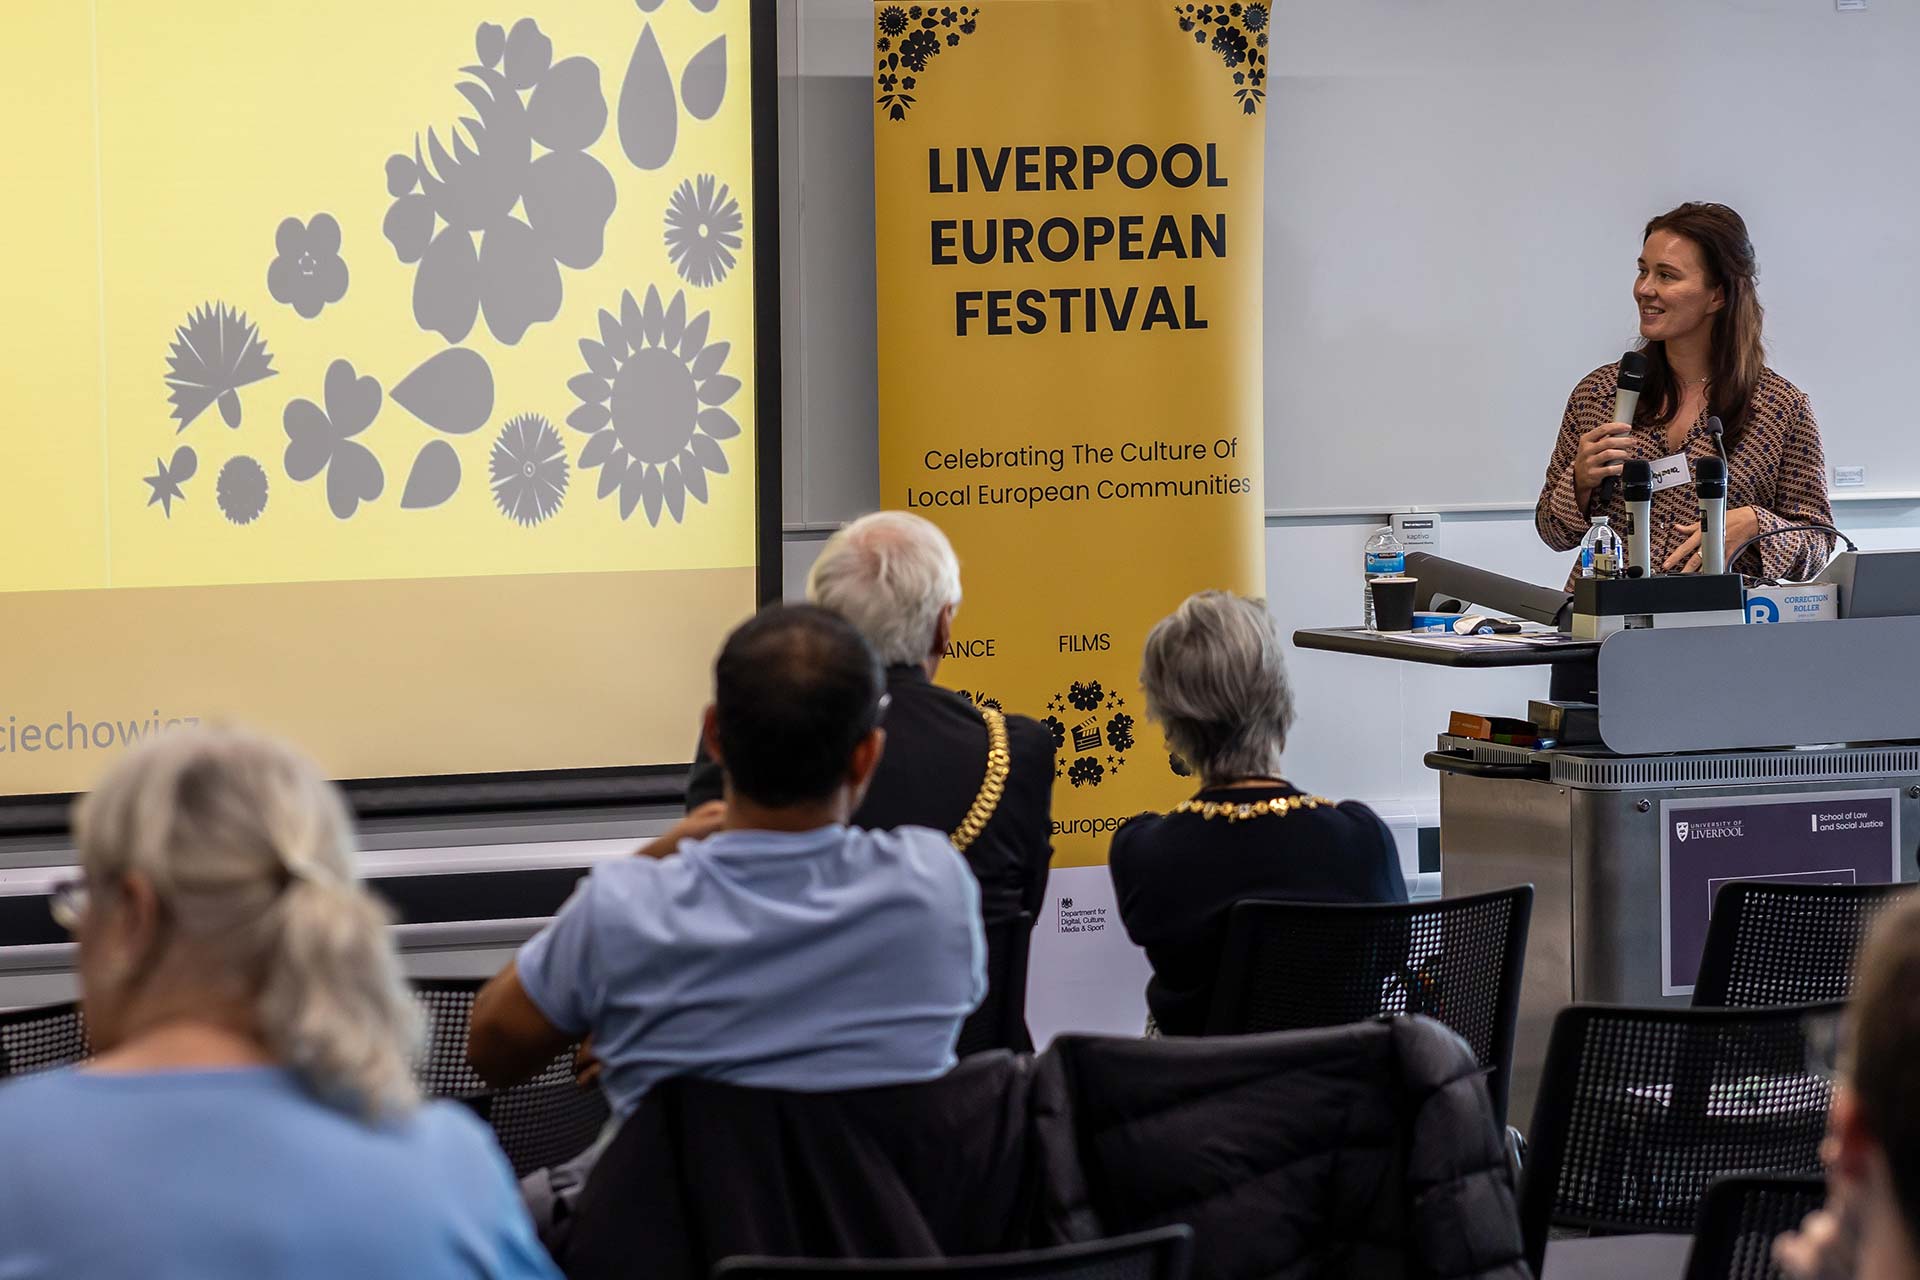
[
  {"x": 1739, "y": 1220},
  {"x": 1772, "y": 943},
  {"x": 1162, "y": 1254},
  {"x": 544, "y": 1121},
  {"x": 40, "y": 1039},
  {"x": 1001, "y": 1020},
  {"x": 1288, "y": 966},
  {"x": 1639, "y": 1109}
]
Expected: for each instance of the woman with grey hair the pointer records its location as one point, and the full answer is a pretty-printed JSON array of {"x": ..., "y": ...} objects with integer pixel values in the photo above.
[
  {"x": 250, "y": 1109},
  {"x": 1216, "y": 683}
]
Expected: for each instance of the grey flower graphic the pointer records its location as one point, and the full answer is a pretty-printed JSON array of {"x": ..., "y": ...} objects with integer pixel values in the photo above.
[
  {"x": 169, "y": 476},
  {"x": 529, "y": 470},
  {"x": 650, "y": 403},
  {"x": 241, "y": 490},
  {"x": 322, "y": 440},
  {"x": 307, "y": 271},
  {"x": 564, "y": 196},
  {"x": 703, "y": 231},
  {"x": 215, "y": 353}
]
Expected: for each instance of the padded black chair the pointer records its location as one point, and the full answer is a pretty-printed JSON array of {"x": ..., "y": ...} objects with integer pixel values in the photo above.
[
  {"x": 1639, "y": 1109},
  {"x": 1773, "y": 943},
  {"x": 41, "y": 1039},
  {"x": 1001, "y": 1020},
  {"x": 1293, "y": 965},
  {"x": 544, "y": 1121},
  {"x": 1162, "y": 1254},
  {"x": 1739, "y": 1220}
]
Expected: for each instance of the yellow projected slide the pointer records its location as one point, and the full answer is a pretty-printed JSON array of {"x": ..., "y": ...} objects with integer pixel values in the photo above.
[{"x": 381, "y": 373}]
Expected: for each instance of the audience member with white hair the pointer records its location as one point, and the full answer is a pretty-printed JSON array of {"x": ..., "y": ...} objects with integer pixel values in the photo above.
[
  {"x": 895, "y": 578},
  {"x": 1216, "y": 683},
  {"x": 251, "y": 1108}
]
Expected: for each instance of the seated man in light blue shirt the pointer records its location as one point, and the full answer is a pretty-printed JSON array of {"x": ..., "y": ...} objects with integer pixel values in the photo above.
[{"x": 762, "y": 941}]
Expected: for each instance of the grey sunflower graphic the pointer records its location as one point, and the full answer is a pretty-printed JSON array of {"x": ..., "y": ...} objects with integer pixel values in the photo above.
[
  {"x": 529, "y": 470},
  {"x": 703, "y": 230},
  {"x": 651, "y": 406}
]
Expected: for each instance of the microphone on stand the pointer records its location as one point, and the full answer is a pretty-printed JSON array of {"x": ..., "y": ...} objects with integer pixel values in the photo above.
[
  {"x": 1719, "y": 434},
  {"x": 1710, "y": 485},
  {"x": 1636, "y": 482},
  {"x": 1633, "y": 380}
]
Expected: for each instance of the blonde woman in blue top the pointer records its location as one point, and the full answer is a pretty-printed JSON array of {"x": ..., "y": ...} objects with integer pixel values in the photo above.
[{"x": 250, "y": 1111}]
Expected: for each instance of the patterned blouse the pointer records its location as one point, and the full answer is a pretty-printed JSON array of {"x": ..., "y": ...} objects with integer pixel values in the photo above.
[{"x": 1777, "y": 468}]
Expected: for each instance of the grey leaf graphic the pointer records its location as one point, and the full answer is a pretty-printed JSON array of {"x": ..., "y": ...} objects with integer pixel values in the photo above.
[
  {"x": 409, "y": 226},
  {"x": 635, "y": 484},
  {"x": 705, "y": 6},
  {"x": 451, "y": 392},
  {"x": 569, "y": 203},
  {"x": 353, "y": 477},
  {"x": 529, "y": 54},
  {"x": 589, "y": 417},
  {"x": 695, "y": 339},
  {"x": 490, "y": 42},
  {"x": 718, "y": 389},
  {"x": 568, "y": 112},
  {"x": 597, "y": 358},
  {"x": 611, "y": 338},
  {"x": 310, "y": 440},
  {"x": 611, "y": 473},
  {"x": 446, "y": 290},
  {"x": 695, "y": 479},
  {"x": 676, "y": 321},
  {"x": 708, "y": 454},
  {"x": 648, "y": 6},
  {"x": 434, "y": 478},
  {"x": 649, "y": 116},
  {"x": 675, "y": 491},
  {"x": 520, "y": 282},
  {"x": 705, "y": 365},
  {"x": 591, "y": 389},
  {"x": 703, "y": 85},
  {"x": 719, "y": 424},
  {"x": 352, "y": 402},
  {"x": 241, "y": 490}
]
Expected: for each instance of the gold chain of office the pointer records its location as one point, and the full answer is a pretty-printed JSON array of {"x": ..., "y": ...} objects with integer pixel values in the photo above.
[
  {"x": 992, "y": 786},
  {"x": 1232, "y": 811}
]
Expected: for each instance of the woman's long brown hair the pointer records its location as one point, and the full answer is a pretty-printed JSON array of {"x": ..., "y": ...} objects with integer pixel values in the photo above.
[{"x": 1738, "y": 353}]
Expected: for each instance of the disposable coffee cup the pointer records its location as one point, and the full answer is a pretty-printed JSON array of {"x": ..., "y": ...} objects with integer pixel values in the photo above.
[{"x": 1393, "y": 603}]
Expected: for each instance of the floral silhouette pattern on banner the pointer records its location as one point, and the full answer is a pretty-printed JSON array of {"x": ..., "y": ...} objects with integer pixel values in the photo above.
[
  {"x": 1238, "y": 33},
  {"x": 1091, "y": 733},
  {"x": 908, "y": 37}
]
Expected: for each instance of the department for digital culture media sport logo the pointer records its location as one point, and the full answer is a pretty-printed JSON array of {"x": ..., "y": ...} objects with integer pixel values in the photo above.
[{"x": 1092, "y": 733}]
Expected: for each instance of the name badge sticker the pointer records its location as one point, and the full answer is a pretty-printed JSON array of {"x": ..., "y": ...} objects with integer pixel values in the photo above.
[{"x": 1670, "y": 471}]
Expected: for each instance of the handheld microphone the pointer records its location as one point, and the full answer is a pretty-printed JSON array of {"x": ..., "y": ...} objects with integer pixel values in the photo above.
[
  {"x": 1636, "y": 481},
  {"x": 1710, "y": 485},
  {"x": 1633, "y": 380}
]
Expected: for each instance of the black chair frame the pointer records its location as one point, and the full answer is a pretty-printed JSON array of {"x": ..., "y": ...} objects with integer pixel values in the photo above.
[
  {"x": 1400, "y": 989},
  {"x": 1163, "y": 1254},
  {"x": 1747, "y": 963},
  {"x": 1660, "y": 1128},
  {"x": 1739, "y": 1218}
]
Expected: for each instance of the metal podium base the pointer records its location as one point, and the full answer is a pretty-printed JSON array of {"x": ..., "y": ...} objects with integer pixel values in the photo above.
[{"x": 1592, "y": 833}]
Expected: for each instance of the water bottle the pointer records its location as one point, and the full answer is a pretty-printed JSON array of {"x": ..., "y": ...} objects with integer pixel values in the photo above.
[
  {"x": 1600, "y": 550},
  {"x": 1385, "y": 558}
]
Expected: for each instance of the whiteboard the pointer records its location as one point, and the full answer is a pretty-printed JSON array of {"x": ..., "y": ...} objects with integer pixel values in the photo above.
[{"x": 1454, "y": 196}]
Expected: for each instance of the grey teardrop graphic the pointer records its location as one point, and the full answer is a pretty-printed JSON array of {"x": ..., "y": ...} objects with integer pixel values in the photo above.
[
  {"x": 435, "y": 476},
  {"x": 648, "y": 6},
  {"x": 451, "y": 392},
  {"x": 705, "y": 6},
  {"x": 649, "y": 116},
  {"x": 703, "y": 85}
]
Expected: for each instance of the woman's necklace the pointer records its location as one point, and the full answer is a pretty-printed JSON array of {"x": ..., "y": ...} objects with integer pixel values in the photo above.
[{"x": 1240, "y": 811}]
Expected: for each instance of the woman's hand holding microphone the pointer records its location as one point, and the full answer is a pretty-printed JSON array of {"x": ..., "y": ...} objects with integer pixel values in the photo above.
[{"x": 1600, "y": 453}]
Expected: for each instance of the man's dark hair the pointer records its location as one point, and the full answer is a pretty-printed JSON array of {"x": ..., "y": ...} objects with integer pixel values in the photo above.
[{"x": 795, "y": 690}]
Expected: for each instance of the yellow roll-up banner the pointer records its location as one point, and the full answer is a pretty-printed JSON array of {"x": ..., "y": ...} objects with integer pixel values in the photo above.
[{"x": 1068, "y": 198}]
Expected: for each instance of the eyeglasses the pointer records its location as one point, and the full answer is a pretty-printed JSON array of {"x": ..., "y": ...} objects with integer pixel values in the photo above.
[{"x": 69, "y": 903}]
